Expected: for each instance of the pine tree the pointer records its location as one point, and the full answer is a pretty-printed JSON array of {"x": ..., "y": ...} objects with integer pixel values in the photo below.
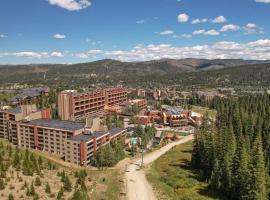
[
  {"x": 2, "y": 184},
  {"x": 81, "y": 175},
  {"x": 67, "y": 184},
  {"x": 17, "y": 160},
  {"x": 60, "y": 194},
  {"x": 28, "y": 193},
  {"x": 32, "y": 190},
  {"x": 40, "y": 161},
  {"x": 215, "y": 177},
  {"x": 10, "y": 197},
  {"x": 37, "y": 181},
  {"x": 241, "y": 173},
  {"x": 80, "y": 195},
  {"x": 258, "y": 172},
  {"x": 48, "y": 188}
]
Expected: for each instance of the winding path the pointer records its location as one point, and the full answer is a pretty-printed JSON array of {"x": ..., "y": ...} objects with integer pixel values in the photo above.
[{"x": 138, "y": 188}]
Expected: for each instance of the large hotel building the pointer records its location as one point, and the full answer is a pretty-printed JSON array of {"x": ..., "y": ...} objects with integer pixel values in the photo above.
[
  {"x": 76, "y": 106},
  {"x": 28, "y": 127}
]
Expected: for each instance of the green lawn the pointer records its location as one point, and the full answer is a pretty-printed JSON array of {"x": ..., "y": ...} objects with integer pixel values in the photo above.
[
  {"x": 173, "y": 178},
  {"x": 176, "y": 132},
  {"x": 204, "y": 110}
]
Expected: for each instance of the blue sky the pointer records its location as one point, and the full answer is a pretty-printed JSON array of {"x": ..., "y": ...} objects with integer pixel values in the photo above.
[{"x": 72, "y": 31}]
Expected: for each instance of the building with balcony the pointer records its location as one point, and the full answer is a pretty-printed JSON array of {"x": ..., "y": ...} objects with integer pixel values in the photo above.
[
  {"x": 174, "y": 116},
  {"x": 77, "y": 106},
  {"x": 10, "y": 116},
  {"x": 139, "y": 103}
]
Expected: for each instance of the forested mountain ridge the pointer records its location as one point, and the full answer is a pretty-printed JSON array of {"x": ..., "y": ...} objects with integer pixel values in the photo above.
[{"x": 186, "y": 71}]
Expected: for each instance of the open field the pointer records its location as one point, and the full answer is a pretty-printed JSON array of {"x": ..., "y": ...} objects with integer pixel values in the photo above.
[
  {"x": 173, "y": 178},
  {"x": 105, "y": 184},
  {"x": 203, "y": 110}
]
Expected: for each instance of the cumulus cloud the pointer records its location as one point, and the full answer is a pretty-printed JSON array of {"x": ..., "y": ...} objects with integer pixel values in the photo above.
[
  {"x": 57, "y": 54},
  {"x": 257, "y": 50},
  {"x": 140, "y": 22},
  {"x": 230, "y": 27},
  {"x": 167, "y": 32},
  {"x": 211, "y": 32},
  {"x": 219, "y": 19},
  {"x": 2, "y": 36},
  {"x": 59, "y": 36},
  {"x": 251, "y": 25},
  {"x": 263, "y": 1},
  {"x": 31, "y": 54},
  {"x": 182, "y": 18},
  {"x": 198, "y": 32},
  {"x": 252, "y": 28},
  {"x": 199, "y": 21},
  {"x": 71, "y": 5}
]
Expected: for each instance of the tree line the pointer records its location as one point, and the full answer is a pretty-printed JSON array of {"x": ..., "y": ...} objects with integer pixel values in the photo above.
[{"x": 232, "y": 152}]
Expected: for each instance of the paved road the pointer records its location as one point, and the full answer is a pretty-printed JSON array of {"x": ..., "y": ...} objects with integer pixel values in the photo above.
[{"x": 138, "y": 188}]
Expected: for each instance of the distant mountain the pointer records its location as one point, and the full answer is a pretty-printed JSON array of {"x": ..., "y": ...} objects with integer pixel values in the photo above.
[{"x": 113, "y": 69}]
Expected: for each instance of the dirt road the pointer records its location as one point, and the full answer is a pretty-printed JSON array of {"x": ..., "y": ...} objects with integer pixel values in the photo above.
[{"x": 138, "y": 187}]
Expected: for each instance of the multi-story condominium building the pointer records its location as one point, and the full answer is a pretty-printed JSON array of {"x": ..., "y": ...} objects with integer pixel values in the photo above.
[
  {"x": 81, "y": 148},
  {"x": 10, "y": 116},
  {"x": 140, "y": 103},
  {"x": 175, "y": 116},
  {"x": 77, "y": 106},
  {"x": 115, "y": 96},
  {"x": 28, "y": 96},
  {"x": 68, "y": 140},
  {"x": 47, "y": 135},
  {"x": 141, "y": 93}
]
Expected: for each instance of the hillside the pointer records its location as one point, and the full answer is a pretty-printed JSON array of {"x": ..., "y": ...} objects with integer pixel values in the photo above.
[{"x": 110, "y": 71}]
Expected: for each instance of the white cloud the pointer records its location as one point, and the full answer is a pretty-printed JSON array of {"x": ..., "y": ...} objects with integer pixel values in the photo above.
[
  {"x": 182, "y": 18},
  {"x": 167, "y": 32},
  {"x": 230, "y": 27},
  {"x": 59, "y": 36},
  {"x": 251, "y": 25},
  {"x": 219, "y": 19},
  {"x": 196, "y": 21},
  {"x": 199, "y": 21},
  {"x": 198, "y": 32},
  {"x": 71, "y": 5},
  {"x": 2, "y": 36},
  {"x": 186, "y": 35},
  {"x": 256, "y": 50},
  {"x": 263, "y": 1},
  {"x": 29, "y": 54},
  {"x": 33, "y": 55},
  {"x": 252, "y": 28},
  {"x": 211, "y": 32},
  {"x": 140, "y": 22},
  {"x": 56, "y": 54}
]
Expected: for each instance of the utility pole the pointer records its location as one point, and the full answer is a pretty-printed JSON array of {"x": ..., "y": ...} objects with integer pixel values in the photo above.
[{"x": 142, "y": 159}]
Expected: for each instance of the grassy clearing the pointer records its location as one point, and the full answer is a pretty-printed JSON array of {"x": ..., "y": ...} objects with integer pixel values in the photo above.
[
  {"x": 105, "y": 184},
  {"x": 5, "y": 96},
  {"x": 203, "y": 110},
  {"x": 173, "y": 178}
]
